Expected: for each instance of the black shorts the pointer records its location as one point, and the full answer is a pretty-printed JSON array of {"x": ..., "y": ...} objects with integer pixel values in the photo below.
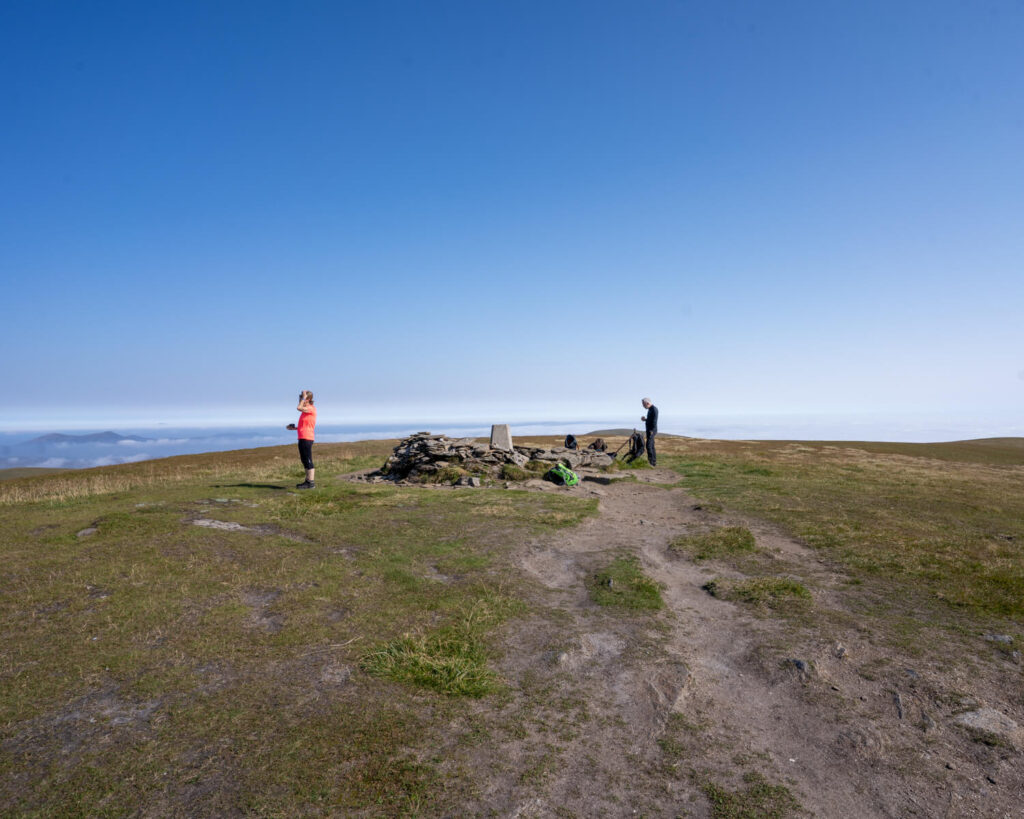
[{"x": 306, "y": 452}]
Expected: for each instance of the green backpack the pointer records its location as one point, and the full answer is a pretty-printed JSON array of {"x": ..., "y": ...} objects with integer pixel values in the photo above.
[{"x": 561, "y": 474}]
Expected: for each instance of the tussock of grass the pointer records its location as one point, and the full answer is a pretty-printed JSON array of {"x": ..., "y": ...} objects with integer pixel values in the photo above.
[
  {"x": 623, "y": 584},
  {"x": 721, "y": 542},
  {"x": 511, "y": 472},
  {"x": 771, "y": 592},
  {"x": 452, "y": 660},
  {"x": 759, "y": 799},
  {"x": 538, "y": 466},
  {"x": 983, "y": 737},
  {"x": 446, "y": 474},
  {"x": 625, "y": 463}
]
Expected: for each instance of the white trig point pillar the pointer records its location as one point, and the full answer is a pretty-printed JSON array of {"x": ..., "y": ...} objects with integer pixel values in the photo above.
[{"x": 501, "y": 437}]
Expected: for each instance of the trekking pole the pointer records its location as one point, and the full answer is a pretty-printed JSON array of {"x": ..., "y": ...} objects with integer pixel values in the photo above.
[{"x": 615, "y": 454}]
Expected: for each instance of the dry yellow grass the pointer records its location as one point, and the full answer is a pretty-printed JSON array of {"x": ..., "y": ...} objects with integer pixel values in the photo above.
[{"x": 261, "y": 464}]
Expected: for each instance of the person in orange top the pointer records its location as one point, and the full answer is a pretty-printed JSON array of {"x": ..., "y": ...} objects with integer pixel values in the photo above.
[{"x": 307, "y": 424}]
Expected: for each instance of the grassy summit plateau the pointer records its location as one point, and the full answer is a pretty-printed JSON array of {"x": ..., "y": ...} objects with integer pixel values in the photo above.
[{"x": 192, "y": 637}]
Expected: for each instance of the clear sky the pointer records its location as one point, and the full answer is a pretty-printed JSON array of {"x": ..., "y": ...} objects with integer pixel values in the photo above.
[{"x": 495, "y": 210}]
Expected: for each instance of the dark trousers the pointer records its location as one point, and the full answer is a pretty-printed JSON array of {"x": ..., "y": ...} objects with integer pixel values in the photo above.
[
  {"x": 652, "y": 457},
  {"x": 306, "y": 453}
]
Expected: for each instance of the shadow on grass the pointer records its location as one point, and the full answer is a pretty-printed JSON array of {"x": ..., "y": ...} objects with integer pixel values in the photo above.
[{"x": 250, "y": 486}]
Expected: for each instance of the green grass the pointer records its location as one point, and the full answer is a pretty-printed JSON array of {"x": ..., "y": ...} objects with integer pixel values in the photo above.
[
  {"x": 758, "y": 800},
  {"x": 159, "y": 667},
  {"x": 446, "y": 474},
  {"x": 328, "y": 661},
  {"x": 511, "y": 472},
  {"x": 770, "y": 592},
  {"x": 994, "y": 451},
  {"x": 623, "y": 463},
  {"x": 896, "y": 514},
  {"x": 254, "y": 466},
  {"x": 725, "y": 541},
  {"x": 624, "y": 585},
  {"x": 451, "y": 660}
]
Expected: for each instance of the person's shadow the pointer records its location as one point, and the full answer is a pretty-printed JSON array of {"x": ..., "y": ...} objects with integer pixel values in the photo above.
[{"x": 250, "y": 486}]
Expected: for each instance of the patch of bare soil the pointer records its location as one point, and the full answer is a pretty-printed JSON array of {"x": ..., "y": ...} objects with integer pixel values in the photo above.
[
  {"x": 98, "y": 719},
  {"x": 632, "y": 713}
]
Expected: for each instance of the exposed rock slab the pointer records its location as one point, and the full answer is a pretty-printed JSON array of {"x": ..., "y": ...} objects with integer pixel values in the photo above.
[{"x": 993, "y": 722}]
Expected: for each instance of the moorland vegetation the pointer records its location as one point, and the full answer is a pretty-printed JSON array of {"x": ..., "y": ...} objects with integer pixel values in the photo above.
[{"x": 189, "y": 637}]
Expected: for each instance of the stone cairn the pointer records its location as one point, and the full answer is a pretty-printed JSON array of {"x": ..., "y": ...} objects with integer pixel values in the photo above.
[{"x": 421, "y": 456}]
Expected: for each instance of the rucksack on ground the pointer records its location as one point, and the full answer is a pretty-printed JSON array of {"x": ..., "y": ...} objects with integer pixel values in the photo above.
[
  {"x": 562, "y": 475},
  {"x": 570, "y": 442},
  {"x": 598, "y": 445},
  {"x": 636, "y": 446}
]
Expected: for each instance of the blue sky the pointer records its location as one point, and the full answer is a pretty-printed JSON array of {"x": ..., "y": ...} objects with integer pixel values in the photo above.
[{"x": 493, "y": 211}]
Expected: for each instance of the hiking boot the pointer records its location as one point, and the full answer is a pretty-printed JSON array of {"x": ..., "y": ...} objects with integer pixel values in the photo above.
[{"x": 306, "y": 485}]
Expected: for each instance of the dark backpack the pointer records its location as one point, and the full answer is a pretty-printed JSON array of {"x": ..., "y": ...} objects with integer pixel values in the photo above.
[
  {"x": 636, "y": 446},
  {"x": 598, "y": 445},
  {"x": 570, "y": 442}
]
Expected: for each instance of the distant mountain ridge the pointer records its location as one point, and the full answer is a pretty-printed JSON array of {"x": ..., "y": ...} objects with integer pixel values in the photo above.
[
  {"x": 108, "y": 437},
  {"x": 62, "y": 451},
  {"x": 625, "y": 431}
]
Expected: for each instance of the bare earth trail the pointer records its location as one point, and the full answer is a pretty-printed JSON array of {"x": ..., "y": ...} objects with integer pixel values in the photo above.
[{"x": 634, "y": 712}]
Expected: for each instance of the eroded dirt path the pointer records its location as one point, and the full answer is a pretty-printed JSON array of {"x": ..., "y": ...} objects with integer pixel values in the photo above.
[{"x": 633, "y": 713}]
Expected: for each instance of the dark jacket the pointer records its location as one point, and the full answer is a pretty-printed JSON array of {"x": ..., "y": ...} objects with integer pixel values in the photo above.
[{"x": 652, "y": 419}]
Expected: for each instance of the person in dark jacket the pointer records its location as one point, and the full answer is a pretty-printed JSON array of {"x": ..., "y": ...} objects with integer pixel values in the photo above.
[{"x": 651, "y": 424}]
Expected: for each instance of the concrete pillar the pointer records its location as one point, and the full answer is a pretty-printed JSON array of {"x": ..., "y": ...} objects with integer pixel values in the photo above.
[{"x": 501, "y": 437}]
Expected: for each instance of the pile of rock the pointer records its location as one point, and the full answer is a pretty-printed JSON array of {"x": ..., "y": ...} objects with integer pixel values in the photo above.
[{"x": 424, "y": 457}]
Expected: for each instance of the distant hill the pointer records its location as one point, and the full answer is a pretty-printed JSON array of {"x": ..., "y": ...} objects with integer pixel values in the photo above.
[
  {"x": 107, "y": 437},
  {"x": 26, "y": 472},
  {"x": 624, "y": 431},
  {"x": 1000, "y": 443},
  {"x": 995, "y": 451},
  {"x": 61, "y": 451},
  {"x": 1002, "y": 451},
  {"x": 998, "y": 451}
]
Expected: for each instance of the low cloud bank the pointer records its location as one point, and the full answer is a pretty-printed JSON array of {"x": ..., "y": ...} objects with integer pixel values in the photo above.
[
  {"x": 24, "y": 450},
  {"x": 83, "y": 452}
]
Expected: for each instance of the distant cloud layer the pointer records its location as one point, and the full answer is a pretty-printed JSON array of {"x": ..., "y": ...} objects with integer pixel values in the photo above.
[
  {"x": 56, "y": 451},
  {"x": 75, "y": 463},
  {"x": 81, "y": 451},
  {"x": 155, "y": 442}
]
